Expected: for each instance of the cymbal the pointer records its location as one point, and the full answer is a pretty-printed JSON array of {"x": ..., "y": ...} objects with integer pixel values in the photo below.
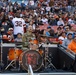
[
  {"x": 45, "y": 36},
  {"x": 18, "y": 43}
]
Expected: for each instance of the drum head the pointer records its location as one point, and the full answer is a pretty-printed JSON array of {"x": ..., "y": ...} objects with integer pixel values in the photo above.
[
  {"x": 14, "y": 53},
  {"x": 32, "y": 58}
]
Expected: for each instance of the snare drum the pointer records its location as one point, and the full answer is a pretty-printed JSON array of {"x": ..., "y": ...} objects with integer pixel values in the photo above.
[
  {"x": 14, "y": 53},
  {"x": 31, "y": 57}
]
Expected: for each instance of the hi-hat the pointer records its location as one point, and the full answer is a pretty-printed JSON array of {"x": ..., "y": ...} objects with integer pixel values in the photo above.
[{"x": 45, "y": 36}]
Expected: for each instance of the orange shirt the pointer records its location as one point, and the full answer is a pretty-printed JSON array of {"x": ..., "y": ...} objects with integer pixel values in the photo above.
[{"x": 72, "y": 46}]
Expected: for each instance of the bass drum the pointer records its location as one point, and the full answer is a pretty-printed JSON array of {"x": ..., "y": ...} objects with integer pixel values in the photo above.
[{"x": 32, "y": 58}]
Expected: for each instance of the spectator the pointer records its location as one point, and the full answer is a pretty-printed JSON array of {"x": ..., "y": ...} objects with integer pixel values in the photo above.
[
  {"x": 10, "y": 35},
  {"x": 15, "y": 7},
  {"x": 62, "y": 37},
  {"x": 19, "y": 24},
  {"x": 67, "y": 28},
  {"x": 31, "y": 4},
  {"x": 5, "y": 24},
  {"x": 44, "y": 20},
  {"x": 72, "y": 45},
  {"x": 51, "y": 31},
  {"x": 48, "y": 8},
  {"x": 10, "y": 6},
  {"x": 49, "y": 12},
  {"x": 5, "y": 38},
  {"x": 23, "y": 5},
  {"x": 47, "y": 33},
  {"x": 19, "y": 38},
  {"x": 52, "y": 21},
  {"x": 58, "y": 32},
  {"x": 71, "y": 20},
  {"x": 67, "y": 40},
  {"x": 27, "y": 37},
  {"x": 60, "y": 22}
]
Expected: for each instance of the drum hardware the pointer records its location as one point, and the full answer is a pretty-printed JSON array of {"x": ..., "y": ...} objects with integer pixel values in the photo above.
[
  {"x": 11, "y": 64},
  {"x": 1, "y": 63},
  {"x": 13, "y": 57},
  {"x": 47, "y": 60}
]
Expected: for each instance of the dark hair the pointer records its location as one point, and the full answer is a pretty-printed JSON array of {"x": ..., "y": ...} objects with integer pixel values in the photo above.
[
  {"x": 19, "y": 33},
  {"x": 68, "y": 26},
  {"x": 59, "y": 28},
  {"x": 62, "y": 33},
  {"x": 69, "y": 34},
  {"x": 4, "y": 18}
]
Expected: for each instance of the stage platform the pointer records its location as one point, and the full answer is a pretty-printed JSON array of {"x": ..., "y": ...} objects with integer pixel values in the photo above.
[{"x": 62, "y": 62}]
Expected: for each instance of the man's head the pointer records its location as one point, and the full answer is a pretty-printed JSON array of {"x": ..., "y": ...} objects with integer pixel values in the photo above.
[
  {"x": 17, "y": 14},
  {"x": 48, "y": 28},
  {"x": 30, "y": 28},
  {"x": 67, "y": 28},
  {"x": 19, "y": 35},
  {"x": 69, "y": 35}
]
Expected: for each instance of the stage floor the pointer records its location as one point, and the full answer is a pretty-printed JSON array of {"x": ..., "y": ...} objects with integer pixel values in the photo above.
[{"x": 43, "y": 72}]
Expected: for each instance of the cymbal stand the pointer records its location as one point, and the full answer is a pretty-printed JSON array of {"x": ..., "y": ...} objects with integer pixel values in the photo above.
[
  {"x": 13, "y": 63},
  {"x": 48, "y": 60},
  {"x": 1, "y": 63}
]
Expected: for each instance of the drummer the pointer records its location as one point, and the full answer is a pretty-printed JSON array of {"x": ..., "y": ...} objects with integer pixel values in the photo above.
[
  {"x": 27, "y": 37},
  {"x": 33, "y": 45}
]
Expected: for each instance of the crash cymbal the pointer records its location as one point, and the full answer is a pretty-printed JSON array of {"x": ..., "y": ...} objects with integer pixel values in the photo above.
[{"x": 45, "y": 36}]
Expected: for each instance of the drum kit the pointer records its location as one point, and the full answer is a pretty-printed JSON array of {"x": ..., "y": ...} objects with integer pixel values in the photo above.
[{"x": 35, "y": 57}]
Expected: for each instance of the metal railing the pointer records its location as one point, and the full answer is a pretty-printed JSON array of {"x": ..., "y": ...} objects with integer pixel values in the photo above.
[
  {"x": 68, "y": 73},
  {"x": 68, "y": 50}
]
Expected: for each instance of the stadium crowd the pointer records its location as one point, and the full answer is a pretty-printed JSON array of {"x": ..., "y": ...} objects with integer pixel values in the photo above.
[{"x": 51, "y": 18}]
